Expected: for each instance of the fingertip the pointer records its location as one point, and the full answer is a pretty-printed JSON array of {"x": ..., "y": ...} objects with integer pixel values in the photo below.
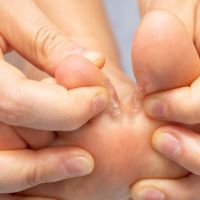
[
  {"x": 148, "y": 194},
  {"x": 86, "y": 103},
  {"x": 147, "y": 190},
  {"x": 76, "y": 166},
  {"x": 77, "y": 163},
  {"x": 66, "y": 162},
  {"x": 96, "y": 58},
  {"x": 157, "y": 108},
  {"x": 100, "y": 102}
]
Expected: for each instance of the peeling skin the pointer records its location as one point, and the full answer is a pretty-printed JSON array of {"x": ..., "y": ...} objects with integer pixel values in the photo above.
[
  {"x": 120, "y": 144},
  {"x": 114, "y": 106}
]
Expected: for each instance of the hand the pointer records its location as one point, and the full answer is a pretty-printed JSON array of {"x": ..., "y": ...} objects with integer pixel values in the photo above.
[
  {"x": 27, "y": 30},
  {"x": 23, "y": 167},
  {"x": 122, "y": 128},
  {"x": 109, "y": 146},
  {"x": 179, "y": 105},
  {"x": 31, "y": 167}
]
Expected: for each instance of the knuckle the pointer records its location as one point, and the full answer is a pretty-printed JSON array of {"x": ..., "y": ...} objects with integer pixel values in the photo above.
[
  {"x": 47, "y": 41},
  {"x": 12, "y": 108},
  {"x": 33, "y": 175}
]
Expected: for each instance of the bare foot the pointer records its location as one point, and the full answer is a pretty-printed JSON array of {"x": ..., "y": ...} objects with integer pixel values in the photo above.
[{"x": 120, "y": 138}]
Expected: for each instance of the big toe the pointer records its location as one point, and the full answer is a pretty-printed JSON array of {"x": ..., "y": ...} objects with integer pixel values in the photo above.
[{"x": 164, "y": 56}]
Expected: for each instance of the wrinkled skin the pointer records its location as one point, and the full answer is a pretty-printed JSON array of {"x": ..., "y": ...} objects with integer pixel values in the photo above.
[{"x": 120, "y": 138}]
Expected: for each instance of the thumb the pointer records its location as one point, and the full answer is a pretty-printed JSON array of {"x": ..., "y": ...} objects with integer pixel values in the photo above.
[
  {"x": 45, "y": 46},
  {"x": 186, "y": 188},
  {"x": 164, "y": 56},
  {"x": 23, "y": 169}
]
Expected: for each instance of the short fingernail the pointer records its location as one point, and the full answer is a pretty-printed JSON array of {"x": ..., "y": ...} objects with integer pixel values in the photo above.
[
  {"x": 156, "y": 108},
  {"x": 149, "y": 194},
  {"x": 93, "y": 56},
  {"x": 99, "y": 103},
  {"x": 167, "y": 144},
  {"x": 76, "y": 166}
]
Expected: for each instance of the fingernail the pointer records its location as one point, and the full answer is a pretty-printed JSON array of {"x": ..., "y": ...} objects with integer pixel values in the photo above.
[
  {"x": 167, "y": 144},
  {"x": 156, "y": 108},
  {"x": 149, "y": 194},
  {"x": 94, "y": 57},
  {"x": 76, "y": 166},
  {"x": 99, "y": 104}
]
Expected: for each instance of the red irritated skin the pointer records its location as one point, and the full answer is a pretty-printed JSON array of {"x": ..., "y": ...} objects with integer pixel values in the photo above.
[
  {"x": 120, "y": 142},
  {"x": 120, "y": 138}
]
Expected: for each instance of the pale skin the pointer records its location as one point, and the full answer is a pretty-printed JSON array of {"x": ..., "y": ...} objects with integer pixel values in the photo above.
[
  {"x": 108, "y": 130},
  {"x": 49, "y": 49},
  {"x": 24, "y": 102},
  {"x": 143, "y": 118},
  {"x": 74, "y": 160}
]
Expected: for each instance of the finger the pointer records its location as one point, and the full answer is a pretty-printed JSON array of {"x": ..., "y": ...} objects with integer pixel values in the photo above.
[
  {"x": 10, "y": 139},
  {"x": 46, "y": 106},
  {"x": 169, "y": 55},
  {"x": 13, "y": 197},
  {"x": 178, "y": 105},
  {"x": 22, "y": 169},
  {"x": 13, "y": 138},
  {"x": 179, "y": 144},
  {"x": 185, "y": 189},
  {"x": 35, "y": 139},
  {"x": 47, "y": 47}
]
